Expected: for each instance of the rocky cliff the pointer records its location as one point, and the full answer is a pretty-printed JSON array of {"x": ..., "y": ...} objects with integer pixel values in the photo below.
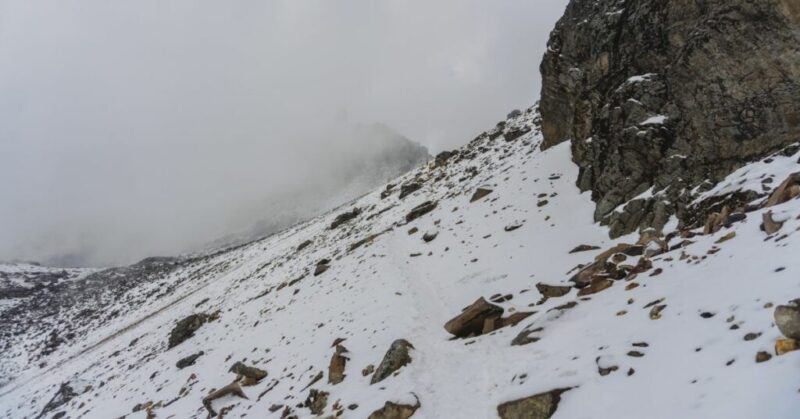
[{"x": 659, "y": 98}]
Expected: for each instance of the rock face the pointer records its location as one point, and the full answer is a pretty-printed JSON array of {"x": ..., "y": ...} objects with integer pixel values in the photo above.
[{"x": 668, "y": 95}]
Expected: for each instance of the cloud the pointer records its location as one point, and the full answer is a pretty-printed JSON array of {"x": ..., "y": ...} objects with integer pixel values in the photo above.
[{"x": 136, "y": 128}]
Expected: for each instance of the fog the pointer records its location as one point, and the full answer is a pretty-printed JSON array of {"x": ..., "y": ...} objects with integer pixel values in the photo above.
[{"x": 150, "y": 127}]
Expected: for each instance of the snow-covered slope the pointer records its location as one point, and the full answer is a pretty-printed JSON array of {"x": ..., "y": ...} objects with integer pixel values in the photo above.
[{"x": 675, "y": 336}]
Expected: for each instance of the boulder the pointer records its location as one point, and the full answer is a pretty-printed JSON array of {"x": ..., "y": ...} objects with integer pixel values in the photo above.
[
  {"x": 396, "y": 357},
  {"x": 787, "y": 319},
  {"x": 471, "y": 320},
  {"x": 538, "y": 406}
]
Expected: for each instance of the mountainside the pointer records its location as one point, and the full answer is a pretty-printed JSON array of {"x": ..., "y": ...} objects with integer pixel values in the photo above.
[
  {"x": 677, "y": 326},
  {"x": 521, "y": 276},
  {"x": 662, "y": 97}
]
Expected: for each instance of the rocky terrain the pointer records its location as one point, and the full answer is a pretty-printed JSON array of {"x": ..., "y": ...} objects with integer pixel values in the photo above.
[{"x": 480, "y": 284}]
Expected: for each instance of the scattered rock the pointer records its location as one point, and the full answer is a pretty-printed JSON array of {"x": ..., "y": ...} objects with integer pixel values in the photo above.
[
  {"x": 787, "y": 318},
  {"x": 480, "y": 193},
  {"x": 188, "y": 361},
  {"x": 762, "y": 356},
  {"x": 420, "y": 210},
  {"x": 185, "y": 329},
  {"x": 539, "y": 406},
  {"x": 396, "y": 357}
]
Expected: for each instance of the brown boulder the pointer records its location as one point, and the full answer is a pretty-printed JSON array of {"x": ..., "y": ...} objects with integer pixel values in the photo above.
[{"x": 472, "y": 319}]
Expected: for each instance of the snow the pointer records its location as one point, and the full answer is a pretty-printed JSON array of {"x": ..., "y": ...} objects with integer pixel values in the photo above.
[
  {"x": 378, "y": 293},
  {"x": 655, "y": 120}
]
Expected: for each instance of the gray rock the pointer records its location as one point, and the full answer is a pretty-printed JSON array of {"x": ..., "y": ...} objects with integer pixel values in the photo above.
[
  {"x": 787, "y": 318},
  {"x": 669, "y": 94},
  {"x": 396, "y": 357}
]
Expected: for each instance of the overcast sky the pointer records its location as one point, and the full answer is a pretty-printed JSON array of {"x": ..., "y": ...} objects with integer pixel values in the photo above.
[{"x": 134, "y": 128}]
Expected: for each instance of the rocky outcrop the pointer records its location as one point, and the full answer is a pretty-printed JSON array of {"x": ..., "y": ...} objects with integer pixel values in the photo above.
[{"x": 670, "y": 96}]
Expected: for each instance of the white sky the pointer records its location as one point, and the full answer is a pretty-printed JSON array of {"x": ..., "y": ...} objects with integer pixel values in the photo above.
[{"x": 130, "y": 128}]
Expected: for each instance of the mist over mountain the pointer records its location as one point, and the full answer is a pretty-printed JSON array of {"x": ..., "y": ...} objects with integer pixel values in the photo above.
[{"x": 144, "y": 128}]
